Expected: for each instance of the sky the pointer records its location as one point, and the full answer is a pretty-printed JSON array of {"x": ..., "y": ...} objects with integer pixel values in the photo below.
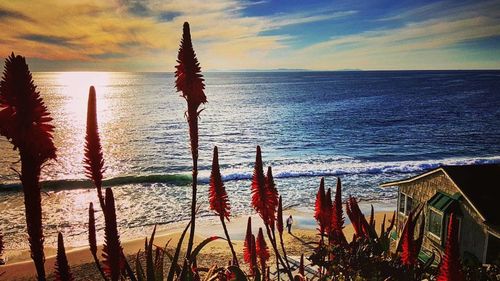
[{"x": 144, "y": 35}]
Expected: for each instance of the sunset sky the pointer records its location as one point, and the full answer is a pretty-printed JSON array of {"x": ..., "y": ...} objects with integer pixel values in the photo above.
[{"x": 135, "y": 35}]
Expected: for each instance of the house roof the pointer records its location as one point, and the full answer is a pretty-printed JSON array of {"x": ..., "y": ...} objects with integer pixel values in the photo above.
[
  {"x": 479, "y": 184},
  {"x": 442, "y": 201}
]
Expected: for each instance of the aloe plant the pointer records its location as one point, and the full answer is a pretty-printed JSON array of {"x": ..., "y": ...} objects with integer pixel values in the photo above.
[
  {"x": 25, "y": 122},
  {"x": 189, "y": 82},
  {"x": 265, "y": 201}
]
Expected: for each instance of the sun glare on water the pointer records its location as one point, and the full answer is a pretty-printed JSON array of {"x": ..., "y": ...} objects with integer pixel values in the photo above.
[
  {"x": 67, "y": 101},
  {"x": 75, "y": 88}
]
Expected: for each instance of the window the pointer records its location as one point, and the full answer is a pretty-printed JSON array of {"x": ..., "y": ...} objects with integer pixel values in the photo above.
[
  {"x": 402, "y": 203},
  {"x": 409, "y": 205},
  {"x": 435, "y": 223},
  {"x": 405, "y": 204}
]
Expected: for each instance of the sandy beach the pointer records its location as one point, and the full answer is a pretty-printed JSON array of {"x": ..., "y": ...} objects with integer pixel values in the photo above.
[{"x": 20, "y": 266}]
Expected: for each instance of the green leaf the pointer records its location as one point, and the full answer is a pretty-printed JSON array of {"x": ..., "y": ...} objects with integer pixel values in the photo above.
[
  {"x": 200, "y": 246},
  {"x": 138, "y": 268},
  {"x": 174, "y": 265}
]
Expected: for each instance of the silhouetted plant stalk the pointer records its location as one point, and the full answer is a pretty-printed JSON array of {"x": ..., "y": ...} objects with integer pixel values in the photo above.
[
  {"x": 279, "y": 227},
  {"x": 219, "y": 201},
  {"x": 62, "y": 269},
  {"x": 189, "y": 81},
  {"x": 93, "y": 241},
  {"x": 25, "y": 122},
  {"x": 1, "y": 244},
  {"x": 301, "y": 276},
  {"x": 1, "y": 249}
]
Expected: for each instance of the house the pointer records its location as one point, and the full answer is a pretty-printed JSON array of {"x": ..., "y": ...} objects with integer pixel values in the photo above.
[{"x": 471, "y": 192}]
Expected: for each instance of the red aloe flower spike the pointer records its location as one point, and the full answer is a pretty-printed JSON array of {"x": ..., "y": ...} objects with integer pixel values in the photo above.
[
  {"x": 93, "y": 240},
  {"x": 338, "y": 216},
  {"x": 262, "y": 250},
  {"x": 24, "y": 119},
  {"x": 25, "y": 122},
  {"x": 189, "y": 81},
  {"x": 61, "y": 268},
  {"x": 273, "y": 200},
  {"x": 247, "y": 246},
  {"x": 253, "y": 255},
  {"x": 319, "y": 208},
  {"x": 451, "y": 268},
  {"x": 219, "y": 201},
  {"x": 408, "y": 256},
  {"x": 261, "y": 196},
  {"x": 112, "y": 250},
  {"x": 93, "y": 160},
  {"x": 328, "y": 211},
  {"x": 279, "y": 218}
]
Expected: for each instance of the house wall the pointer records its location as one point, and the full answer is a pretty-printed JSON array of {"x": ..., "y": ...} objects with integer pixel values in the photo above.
[{"x": 472, "y": 231}]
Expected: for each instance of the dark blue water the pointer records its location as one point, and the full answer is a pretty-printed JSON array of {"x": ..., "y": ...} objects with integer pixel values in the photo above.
[{"x": 367, "y": 127}]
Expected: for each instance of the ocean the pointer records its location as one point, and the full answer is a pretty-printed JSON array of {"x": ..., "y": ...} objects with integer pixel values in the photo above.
[{"x": 366, "y": 127}]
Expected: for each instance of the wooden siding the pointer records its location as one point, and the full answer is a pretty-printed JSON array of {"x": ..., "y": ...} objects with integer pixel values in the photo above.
[{"x": 472, "y": 231}]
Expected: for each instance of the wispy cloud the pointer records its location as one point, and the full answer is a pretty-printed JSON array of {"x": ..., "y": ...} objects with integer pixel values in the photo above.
[
  {"x": 413, "y": 45},
  {"x": 44, "y": 39},
  {"x": 142, "y": 35}
]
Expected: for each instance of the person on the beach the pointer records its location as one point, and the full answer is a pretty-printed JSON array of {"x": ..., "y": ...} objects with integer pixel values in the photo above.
[{"x": 289, "y": 223}]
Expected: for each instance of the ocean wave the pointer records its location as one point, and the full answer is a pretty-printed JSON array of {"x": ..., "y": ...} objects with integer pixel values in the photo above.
[
  {"x": 174, "y": 179},
  {"x": 283, "y": 170},
  {"x": 325, "y": 169}
]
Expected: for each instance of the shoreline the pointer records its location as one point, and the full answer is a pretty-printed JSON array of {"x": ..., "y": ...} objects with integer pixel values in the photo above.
[{"x": 81, "y": 261}]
